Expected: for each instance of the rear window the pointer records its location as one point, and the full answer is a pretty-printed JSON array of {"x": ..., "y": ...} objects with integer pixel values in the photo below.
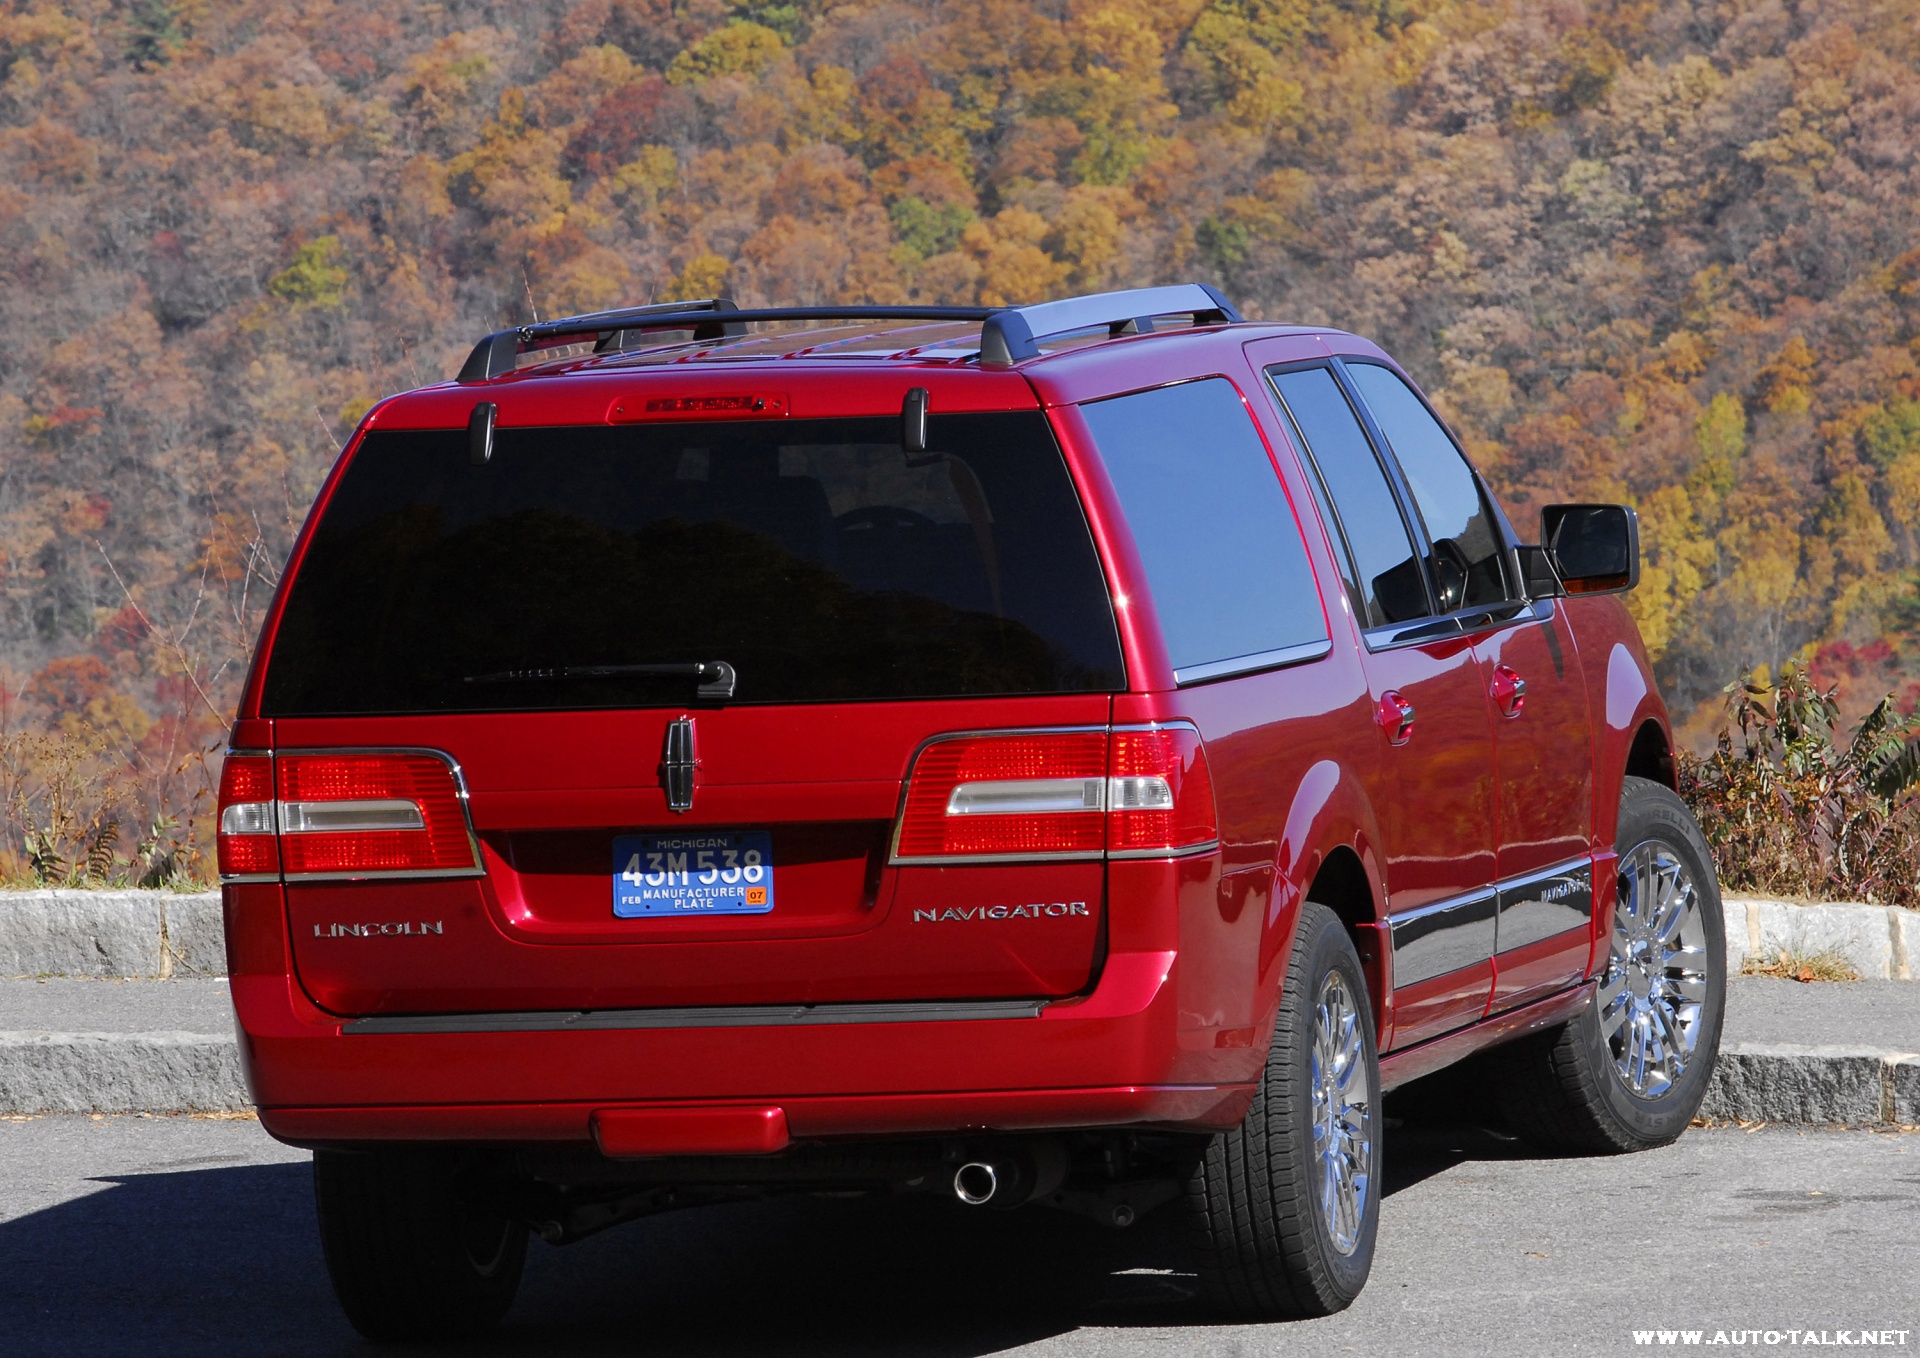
[{"x": 814, "y": 556}]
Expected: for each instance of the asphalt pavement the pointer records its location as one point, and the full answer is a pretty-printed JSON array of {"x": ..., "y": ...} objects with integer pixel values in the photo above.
[{"x": 182, "y": 1235}]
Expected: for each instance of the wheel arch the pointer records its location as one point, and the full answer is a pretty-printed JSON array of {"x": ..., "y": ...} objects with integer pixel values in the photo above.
[
  {"x": 1343, "y": 886},
  {"x": 1651, "y": 756},
  {"x": 1328, "y": 854}
]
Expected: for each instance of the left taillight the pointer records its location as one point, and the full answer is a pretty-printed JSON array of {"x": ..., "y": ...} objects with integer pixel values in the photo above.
[
  {"x": 344, "y": 815},
  {"x": 246, "y": 846}
]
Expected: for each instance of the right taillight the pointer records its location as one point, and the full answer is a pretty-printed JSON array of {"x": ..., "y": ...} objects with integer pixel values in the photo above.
[
  {"x": 1018, "y": 794},
  {"x": 1134, "y": 792}
]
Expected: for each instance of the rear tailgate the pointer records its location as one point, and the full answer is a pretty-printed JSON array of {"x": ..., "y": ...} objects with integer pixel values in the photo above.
[
  {"x": 549, "y": 796},
  {"x": 539, "y": 618}
]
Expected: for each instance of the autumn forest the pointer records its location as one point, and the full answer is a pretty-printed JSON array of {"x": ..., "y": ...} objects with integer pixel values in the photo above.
[{"x": 1660, "y": 251}]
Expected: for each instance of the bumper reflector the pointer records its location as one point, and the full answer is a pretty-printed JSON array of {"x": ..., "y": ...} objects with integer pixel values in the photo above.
[{"x": 636, "y": 1133}]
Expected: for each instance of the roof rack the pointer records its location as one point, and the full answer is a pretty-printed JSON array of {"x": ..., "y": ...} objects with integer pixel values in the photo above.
[{"x": 1007, "y": 334}]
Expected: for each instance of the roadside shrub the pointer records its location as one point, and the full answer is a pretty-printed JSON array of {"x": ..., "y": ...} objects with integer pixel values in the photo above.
[
  {"x": 73, "y": 808},
  {"x": 1791, "y": 807}
]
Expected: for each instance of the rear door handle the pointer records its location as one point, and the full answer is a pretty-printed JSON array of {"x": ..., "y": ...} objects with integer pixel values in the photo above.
[
  {"x": 1394, "y": 715},
  {"x": 1509, "y": 690}
]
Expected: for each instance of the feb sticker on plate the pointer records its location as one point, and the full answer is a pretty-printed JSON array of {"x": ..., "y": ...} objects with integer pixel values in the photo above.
[{"x": 702, "y": 873}]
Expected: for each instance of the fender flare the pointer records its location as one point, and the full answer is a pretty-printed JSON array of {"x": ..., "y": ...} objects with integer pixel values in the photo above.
[{"x": 1629, "y": 703}]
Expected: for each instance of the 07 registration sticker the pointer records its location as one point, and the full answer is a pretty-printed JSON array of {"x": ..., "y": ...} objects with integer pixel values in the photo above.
[{"x": 720, "y": 873}]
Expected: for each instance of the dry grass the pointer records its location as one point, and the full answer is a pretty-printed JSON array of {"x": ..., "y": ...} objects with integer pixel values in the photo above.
[{"x": 1791, "y": 964}]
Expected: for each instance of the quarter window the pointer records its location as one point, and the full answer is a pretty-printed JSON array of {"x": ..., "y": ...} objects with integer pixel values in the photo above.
[
  {"x": 1388, "y": 573},
  {"x": 1468, "y": 556},
  {"x": 1216, "y": 535}
]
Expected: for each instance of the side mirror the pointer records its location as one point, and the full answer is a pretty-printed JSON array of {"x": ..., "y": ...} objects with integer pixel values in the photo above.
[{"x": 1595, "y": 549}]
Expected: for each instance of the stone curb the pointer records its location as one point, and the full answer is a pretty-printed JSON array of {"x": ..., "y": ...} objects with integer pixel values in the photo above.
[
  {"x": 120, "y": 1073},
  {"x": 200, "y": 1073},
  {"x": 111, "y": 933},
  {"x": 1788, "y": 1083},
  {"x": 164, "y": 933},
  {"x": 1881, "y": 941}
]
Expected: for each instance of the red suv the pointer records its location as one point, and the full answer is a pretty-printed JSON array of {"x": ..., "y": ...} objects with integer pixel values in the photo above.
[{"x": 1078, "y": 754}]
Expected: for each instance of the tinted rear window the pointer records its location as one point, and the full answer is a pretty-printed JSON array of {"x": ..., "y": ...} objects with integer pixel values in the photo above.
[{"x": 814, "y": 556}]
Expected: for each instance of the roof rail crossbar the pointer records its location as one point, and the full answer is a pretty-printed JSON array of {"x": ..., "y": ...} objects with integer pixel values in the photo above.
[
  {"x": 1013, "y": 334},
  {"x": 498, "y": 353},
  {"x": 709, "y": 330},
  {"x": 1007, "y": 334}
]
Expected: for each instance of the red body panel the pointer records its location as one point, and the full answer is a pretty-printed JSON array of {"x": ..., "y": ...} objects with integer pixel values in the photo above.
[
  {"x": 1160, "y": 997},
  {"x": 1544, "y": 765}
]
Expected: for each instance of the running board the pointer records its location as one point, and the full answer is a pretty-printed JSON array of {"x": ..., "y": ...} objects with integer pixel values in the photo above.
[
  {"x": 736, "y": 1016},
  {"x": 1410, "y": 1063}
]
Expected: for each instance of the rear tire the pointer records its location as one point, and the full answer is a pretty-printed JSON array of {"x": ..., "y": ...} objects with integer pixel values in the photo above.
[
  {"x": 1628, "y": 1073},
  {"x": 1284, "y": 1209},
  {"x": 409, "y": 1258}
]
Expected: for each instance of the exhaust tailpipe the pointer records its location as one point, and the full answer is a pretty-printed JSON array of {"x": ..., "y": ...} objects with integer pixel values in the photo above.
[{"x": 975, "y": 1183}]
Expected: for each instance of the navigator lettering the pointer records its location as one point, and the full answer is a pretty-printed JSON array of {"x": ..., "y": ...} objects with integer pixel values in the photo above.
[{"x": 957, "y": 914}]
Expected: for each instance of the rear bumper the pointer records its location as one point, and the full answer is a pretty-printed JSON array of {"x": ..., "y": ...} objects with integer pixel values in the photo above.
[
  {"x": 1212, "y": 1107},
  {"x": 1119, "y": 1056}
]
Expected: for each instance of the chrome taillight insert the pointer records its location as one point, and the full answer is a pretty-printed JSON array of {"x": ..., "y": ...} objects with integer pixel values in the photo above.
[
  {"x": 1027, "y": 797},
  {"x": 371, "y": 813}
]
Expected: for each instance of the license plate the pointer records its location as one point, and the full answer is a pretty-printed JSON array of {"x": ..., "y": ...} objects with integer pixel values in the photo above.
[{"x": 724, "y": 873}]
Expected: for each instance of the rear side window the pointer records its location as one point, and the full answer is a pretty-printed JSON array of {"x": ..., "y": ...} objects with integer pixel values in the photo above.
[
  {"x": 1387, "y": 571},
  {"x": 814, "y": 556},
  {"x": 1468, "y": 555},
  {"x": 1216, "y": 536}
]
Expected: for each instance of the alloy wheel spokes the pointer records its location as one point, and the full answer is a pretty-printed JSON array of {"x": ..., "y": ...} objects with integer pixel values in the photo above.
[
  {"x": 1652, "y": 993},
  {"x": 1342, "y": 1113}
]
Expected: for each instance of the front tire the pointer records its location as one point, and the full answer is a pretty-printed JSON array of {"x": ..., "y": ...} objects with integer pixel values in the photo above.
[
  {"x": 1284, "y": 1209},
  {"x": 1629, "y": 1073},
  {"x": 409, "y": 1256}
]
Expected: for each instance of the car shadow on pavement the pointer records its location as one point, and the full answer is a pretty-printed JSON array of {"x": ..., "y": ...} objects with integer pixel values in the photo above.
[
  {"x": 227, "y": 1260},
  {"x": 213, "y": 1260}
]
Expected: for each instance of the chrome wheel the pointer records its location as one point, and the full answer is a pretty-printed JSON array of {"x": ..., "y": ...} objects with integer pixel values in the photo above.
[
  {"x": 1342, "y": 1113},
  {"x": 1655, "y": 984}
]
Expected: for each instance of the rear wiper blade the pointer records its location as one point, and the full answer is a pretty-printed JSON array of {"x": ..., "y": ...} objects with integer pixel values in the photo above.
[{"x": 714, "y": 678}]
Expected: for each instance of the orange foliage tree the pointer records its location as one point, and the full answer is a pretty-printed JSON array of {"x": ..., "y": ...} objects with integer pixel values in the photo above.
[{"x": 1637, "y": 249}]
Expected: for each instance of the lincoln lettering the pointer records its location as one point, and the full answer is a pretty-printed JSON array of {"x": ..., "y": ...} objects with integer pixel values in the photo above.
[
  {"x": 1056, "y": 910},
  {"x": 392, "y": 929}
]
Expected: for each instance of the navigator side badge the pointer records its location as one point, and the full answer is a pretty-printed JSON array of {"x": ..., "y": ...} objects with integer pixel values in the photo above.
[{"x": 677, "y": 763}]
